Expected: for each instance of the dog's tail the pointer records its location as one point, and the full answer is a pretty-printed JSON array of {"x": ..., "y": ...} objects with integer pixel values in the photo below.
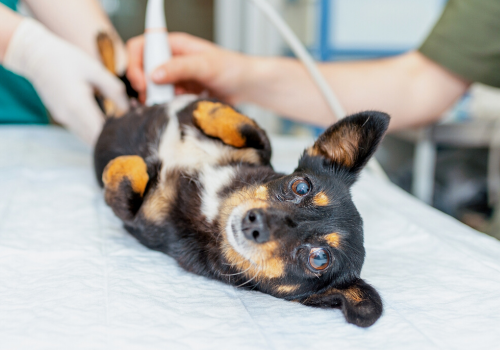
[{"x": 107, "y": 55}]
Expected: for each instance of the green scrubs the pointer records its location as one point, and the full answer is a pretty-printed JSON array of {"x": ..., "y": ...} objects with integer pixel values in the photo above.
[
  {"x": 19, "y": 103},
  {"x": 466, "y": 40}
]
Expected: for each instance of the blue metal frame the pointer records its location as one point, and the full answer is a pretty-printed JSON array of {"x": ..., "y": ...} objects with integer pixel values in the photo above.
[
  {"x": 323, "y": 51},
  {"x": 324, "y": 30}
]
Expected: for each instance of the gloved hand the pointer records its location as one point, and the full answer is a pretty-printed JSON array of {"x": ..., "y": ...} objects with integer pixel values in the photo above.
[{"x": 64, "y": 77}]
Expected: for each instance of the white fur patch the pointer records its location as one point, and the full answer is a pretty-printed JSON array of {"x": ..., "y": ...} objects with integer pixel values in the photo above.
[
  {"x": 179, "y": 103},
  {"x": 233, "y": 230},
  {"x": 236, "y": 237},
  {"x": 213, "y": 180}
]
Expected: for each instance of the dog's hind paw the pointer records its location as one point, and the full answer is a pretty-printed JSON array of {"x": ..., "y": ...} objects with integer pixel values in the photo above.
[{"x": 125, "y": 179}]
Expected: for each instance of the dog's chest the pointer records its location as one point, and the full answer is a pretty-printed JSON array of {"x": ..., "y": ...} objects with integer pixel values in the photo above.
[{"x": 184, "y": 149}]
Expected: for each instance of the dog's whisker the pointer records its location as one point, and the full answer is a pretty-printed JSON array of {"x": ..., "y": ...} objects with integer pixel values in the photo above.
[
  {"x": 234, "y": 274},
  {"x": 250, "y": 280}
]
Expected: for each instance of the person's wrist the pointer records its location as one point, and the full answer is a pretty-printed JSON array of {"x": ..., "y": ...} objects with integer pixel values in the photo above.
[
  {"x": 9, "y": 21},
  {"x": 257, "y": 78},
  {"x": 24, "y": 54}
]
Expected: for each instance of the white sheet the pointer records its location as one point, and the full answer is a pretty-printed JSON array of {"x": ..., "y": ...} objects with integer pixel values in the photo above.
[{"x": 72, "y": 278}]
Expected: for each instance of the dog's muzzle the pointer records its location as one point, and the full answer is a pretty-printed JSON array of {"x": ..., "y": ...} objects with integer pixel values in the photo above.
[{"x": 255, "y": 227}]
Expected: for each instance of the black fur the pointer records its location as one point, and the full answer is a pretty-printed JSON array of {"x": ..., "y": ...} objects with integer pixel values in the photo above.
[{"x": 296, "y": 223}]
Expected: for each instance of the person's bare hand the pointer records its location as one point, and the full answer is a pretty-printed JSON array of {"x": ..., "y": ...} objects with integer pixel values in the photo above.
[{"x": 196, "y": 65}]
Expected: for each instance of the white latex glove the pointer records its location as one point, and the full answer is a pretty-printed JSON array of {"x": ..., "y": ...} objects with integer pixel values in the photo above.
[
  {"x": 78, "y": 22},
  {"x": 64, "y": 77}
]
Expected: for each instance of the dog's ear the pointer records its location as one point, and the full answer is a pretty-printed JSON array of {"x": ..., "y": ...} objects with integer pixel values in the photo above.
[
  {"x": 360, "y": 302},
  {"x": 125, "y": 179},
  {"x": 221, "y": 121},
  {"x": 349, "y": 143}
]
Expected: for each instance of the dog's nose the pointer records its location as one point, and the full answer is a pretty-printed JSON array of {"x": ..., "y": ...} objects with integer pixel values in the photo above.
[{"x": 254, "y": 226}]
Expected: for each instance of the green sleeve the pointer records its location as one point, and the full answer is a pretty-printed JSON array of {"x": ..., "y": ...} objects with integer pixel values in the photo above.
[
  {"x": 466, "y": 40},
  {"x": 19, "y": 102},
  {"x": 9, "y": 3}
]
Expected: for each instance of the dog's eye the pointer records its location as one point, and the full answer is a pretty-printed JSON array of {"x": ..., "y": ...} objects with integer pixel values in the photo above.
[
  {"x": 301, "y": 187},
  {"x": 319, "y": 259}
]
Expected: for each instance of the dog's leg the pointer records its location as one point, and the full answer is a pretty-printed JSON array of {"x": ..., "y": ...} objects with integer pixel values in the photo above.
[
  {"x": 125, "y": 179},
  {"x": 223, "y": 122},
  {"x": 107, "y": 55}
]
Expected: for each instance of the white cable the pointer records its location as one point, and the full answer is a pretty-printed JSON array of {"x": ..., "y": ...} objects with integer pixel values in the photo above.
[
  {"x": 301, "y": 53},
  {"x": 306, "y": 58}
]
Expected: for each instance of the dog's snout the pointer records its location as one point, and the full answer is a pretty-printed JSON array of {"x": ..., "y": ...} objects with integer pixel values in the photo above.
[{"x": 254, "y": 226}]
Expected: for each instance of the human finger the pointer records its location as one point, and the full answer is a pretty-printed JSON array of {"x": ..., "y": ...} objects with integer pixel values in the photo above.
[
  {"x": 183, "y": 44},
  {"x": 109, "y": 85},
  {"x": 81, "y": 116},
  {"x": 183, "y": 68},
  {"x": 135, "y": 69}
]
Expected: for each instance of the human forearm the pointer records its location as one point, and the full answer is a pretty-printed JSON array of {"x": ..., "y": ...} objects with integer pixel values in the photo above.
[
  {"x": 8, "y": 24},
  {"x": 411, "y": 88},
  {"x": 283, "y": 86},
  {"x": 414, "y": 90},
  {"x": 79, "y": 22}
]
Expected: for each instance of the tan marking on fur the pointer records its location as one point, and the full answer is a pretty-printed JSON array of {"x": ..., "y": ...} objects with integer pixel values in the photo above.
[
  {"x": 341, "y": 147},
  {"x": 251, "y": 196},
  {"x": 265, "y": 263},
  {"x": 321, "y": 199},
  {"x": 221, "y": 121},
  {"x": 248, "y": 155},
  {"x": 261, "y": 193},
  {"x": 158, "y": 203},
  {"x": 333, "y": 240},
  {"x": 286, "y": 289},
  {"x": 353, "y": 294},
  {"x": 265, "y": 267},
  {"x": 131, "y": 167},
  {"x": 268, "y": 249},
  {"x": 313, "y": 151},
  {"x": 107, "y": 53}
]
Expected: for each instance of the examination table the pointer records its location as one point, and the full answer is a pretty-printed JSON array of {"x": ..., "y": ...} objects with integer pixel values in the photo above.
[{"x": 72, "y": 278}]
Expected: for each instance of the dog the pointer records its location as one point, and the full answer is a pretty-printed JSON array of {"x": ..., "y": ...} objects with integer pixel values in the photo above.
[{"x": 193, "y": 179}]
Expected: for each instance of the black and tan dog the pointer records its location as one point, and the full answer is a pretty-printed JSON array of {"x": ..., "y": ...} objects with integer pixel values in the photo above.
[{"x": 192, "y": 179}]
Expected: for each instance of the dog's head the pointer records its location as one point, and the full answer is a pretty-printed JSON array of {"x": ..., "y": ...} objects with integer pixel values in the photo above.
[{"x": 300, "y": 236}]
